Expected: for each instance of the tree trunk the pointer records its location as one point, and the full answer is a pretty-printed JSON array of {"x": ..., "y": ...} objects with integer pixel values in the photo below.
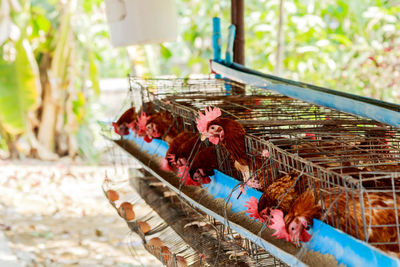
[
  {"x": 38, "y": 150},
  {"x": 48, "y": 119},
  {"x": 10, "y": 142}
]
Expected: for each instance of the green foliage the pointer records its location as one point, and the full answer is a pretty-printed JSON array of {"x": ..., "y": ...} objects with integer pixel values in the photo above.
[
  {"x": 346, "y": 45},
  {"x": 93, "y": 73},
  {"x": 328, "y": 43},
  {"x": 68, "y": 40},
  {"x": 18, "y": 88}
]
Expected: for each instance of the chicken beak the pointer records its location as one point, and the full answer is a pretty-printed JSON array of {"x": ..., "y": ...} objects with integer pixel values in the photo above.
[
  {"x": 296, "y": 242},
  {"x": 203, "y": 137}
]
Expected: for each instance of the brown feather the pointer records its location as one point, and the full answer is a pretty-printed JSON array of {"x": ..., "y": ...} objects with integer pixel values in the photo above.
[
  {"x": 282, "y": 191},
  {"x": 233, "y": 141},
  {"x": 206, "y": 159},
  {"x": 189, "y": 147},
  {"x": 374, "y": 214},
  {"x": 127, "y": 117},
  {"x": 183, "y": 145},
  {"x": 305, "y": 205},
  {"x": 163, "y": 120},
  {"x": 347, "y": 211},
  {"x": 178, "y": 141}
]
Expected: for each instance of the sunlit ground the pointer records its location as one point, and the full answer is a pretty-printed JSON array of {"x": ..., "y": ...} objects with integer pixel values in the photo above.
[{"x": 56, "y": 215}]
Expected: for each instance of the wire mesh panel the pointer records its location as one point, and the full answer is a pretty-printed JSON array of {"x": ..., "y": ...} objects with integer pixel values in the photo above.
[
  {"x": 351, "y": 164},
  {"x": 344, "y": 143}
]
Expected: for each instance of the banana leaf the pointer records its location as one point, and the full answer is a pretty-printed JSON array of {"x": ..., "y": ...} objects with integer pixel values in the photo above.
[{"x": 19, "y": 88}]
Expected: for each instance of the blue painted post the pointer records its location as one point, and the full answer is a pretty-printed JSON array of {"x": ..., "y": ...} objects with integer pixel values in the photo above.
[
  {"x": 229, "y": 54},
  {"x": 217, "y": 39},
  {"x": 217, "y": 42},
  {"x": 229, "y": 48}
]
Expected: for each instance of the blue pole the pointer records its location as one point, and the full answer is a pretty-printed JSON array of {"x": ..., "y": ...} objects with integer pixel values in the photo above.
[
  {"x": 217, "y": 39},
  {"x": 229, "y": 48}
]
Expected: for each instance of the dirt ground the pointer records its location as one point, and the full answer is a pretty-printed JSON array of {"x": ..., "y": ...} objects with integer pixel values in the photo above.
[{"x": 55, "y": 214}]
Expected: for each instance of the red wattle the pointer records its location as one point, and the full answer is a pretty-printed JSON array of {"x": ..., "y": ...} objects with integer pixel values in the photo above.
[
  {"x": 147, "y": 139},
  {"x": 165, "y": 165}
]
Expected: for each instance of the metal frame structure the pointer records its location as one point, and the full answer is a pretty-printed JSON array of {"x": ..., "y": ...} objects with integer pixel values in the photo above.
[{"x": 357, "y": 156}]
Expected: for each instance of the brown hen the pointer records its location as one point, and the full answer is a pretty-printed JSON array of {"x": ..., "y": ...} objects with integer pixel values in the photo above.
[
  {"x": 379, "y": 212},
  {"x": 121, "y": 126},
  {"x": 280, "y": 194},
  {"x": 161, "y": 125}
]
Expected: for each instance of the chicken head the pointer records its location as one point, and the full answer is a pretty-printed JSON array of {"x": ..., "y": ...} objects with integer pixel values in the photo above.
[
  {"x": 121, "y": 129},
  {"x": 215, "y": 134},
  {"x": 152, "y": 131},
  {"x": 297, "y": 231},
  {"x": 181, "y": 162},
  {"x": 200, "y": 176}
]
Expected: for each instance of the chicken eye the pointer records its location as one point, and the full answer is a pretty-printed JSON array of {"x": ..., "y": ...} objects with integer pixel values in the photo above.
[{"x": 292, "y": 228}]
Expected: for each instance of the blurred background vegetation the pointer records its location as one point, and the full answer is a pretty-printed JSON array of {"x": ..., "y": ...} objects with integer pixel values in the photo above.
[{"x": 54, "y": 56}]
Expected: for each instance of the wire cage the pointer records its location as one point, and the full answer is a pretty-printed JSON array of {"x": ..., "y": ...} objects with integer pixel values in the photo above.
[
  {"x": 231, "y": 248},
  {"x": 347, "y": 160}
]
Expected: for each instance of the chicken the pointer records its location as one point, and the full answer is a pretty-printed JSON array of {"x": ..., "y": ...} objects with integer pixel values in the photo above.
[
  {"x": 121, "y": 126},
  {"x": 161, "y": 125},
  {"x": 187, "y": 150},
  {"x": 279, "y": 194},
  {"x": 138, "y": 126},
  {"x": 198, "y": 171},
  {"x": 229, "y": 133},
  {"x": 180, "y": 150},
  {"x": 345, "y": 209},
  {"x": 300, "y": 216},
  {"x": 203, "y": 165}
]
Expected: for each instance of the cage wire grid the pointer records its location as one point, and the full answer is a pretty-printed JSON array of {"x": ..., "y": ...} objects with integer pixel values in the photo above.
[
  {"x": 353, "y": 152},
  {"x": 229, "y": 242},
  {"x": 338, "y": 153},
  {"x": 123, "y": 167},
  {"x": 334, "y": 140}
]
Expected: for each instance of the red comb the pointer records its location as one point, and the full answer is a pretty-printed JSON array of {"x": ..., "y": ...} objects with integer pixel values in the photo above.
[
  {"x": 252, "y": 209},
  {"x": 278, "y": 224},
  {"x": 142, "y": 121},
  {"x": 210, "y": 114}
]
